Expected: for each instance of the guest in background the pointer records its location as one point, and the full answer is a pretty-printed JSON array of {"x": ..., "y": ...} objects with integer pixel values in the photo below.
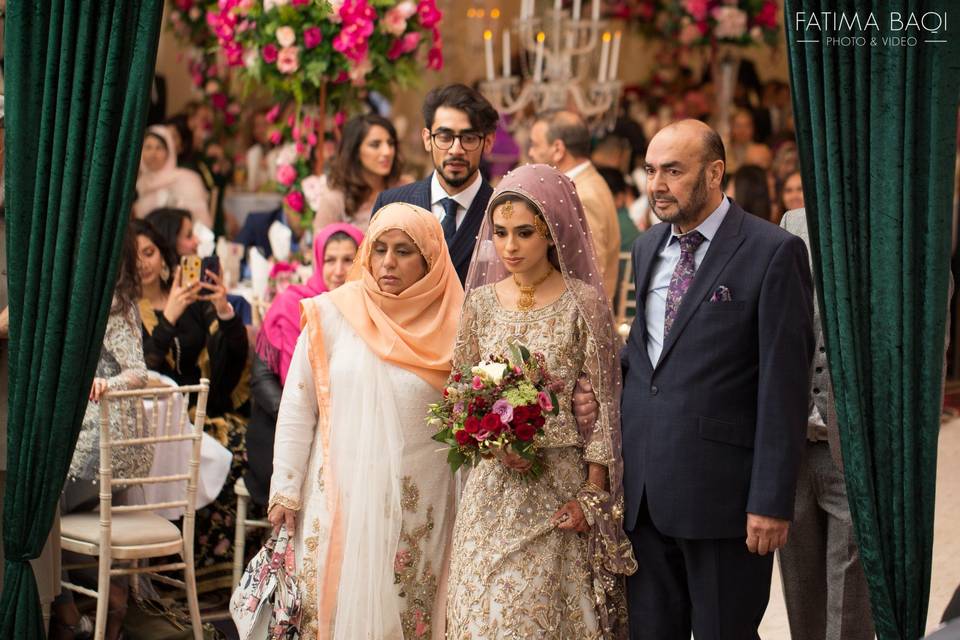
[
  {"x": 561, "y": 139},
  {"x": 622, "y": 197},
  {"x": 121, "y": 367},
  {"x": 459, "y": 128},
  {"x": 176, "y": 228},
  {"x": 824, "y": 586},
  {"x": 749, "y": 188},
  {"x": 612, "y": 151},
  {"x": 208, "y": 158},
  {"x": 161, "y": 183},
  {"x": 190, "y": 331},
  {"x": 366, "y": 164},
  {"x": 256, "y": 156},
  {"x": 334, "y": 250},
  {"x": 791, "y": 192},
  {"x": 743, "y": 143}
]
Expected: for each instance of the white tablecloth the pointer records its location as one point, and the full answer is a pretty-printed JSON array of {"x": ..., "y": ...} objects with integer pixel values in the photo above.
[
  {"x": 240, "y": 204},
  {"x": 173, "y": 458}
]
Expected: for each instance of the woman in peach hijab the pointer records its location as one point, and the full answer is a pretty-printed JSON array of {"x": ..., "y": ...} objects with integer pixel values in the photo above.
[{"x": 355, "y": 472}]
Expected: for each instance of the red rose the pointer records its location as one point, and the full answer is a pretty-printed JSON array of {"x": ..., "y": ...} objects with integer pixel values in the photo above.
[
  {"x": 463, "y": 438},
  {"x": 472, "y": 425},
  {"x": 537, "y": 421},
  {"x": 520, "y": 414},
  {"x": 525, "y": 432},
  {"x": 491, "y": 422},
  {"x": 480, "y": 403},
  {"x": 457, "y": 377},
  {"x": 535, "y": 409}
]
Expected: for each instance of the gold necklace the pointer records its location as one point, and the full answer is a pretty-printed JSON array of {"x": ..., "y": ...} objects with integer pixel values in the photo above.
[{"x": 527, "y": 301}]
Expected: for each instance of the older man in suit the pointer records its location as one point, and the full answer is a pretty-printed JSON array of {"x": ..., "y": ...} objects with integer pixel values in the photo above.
[
  {"x": 714, "y": 406},
  {"x": 561, "y": 139},
  {"x": 823, "y": 581},
  {"x": 459, "y": 126}
]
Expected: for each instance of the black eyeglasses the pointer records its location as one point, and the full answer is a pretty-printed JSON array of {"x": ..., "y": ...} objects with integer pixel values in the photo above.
[{"x": 445, "y": 139}]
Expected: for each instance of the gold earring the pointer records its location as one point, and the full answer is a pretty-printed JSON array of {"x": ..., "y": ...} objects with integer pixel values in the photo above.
[
  {"x": 165, "y": 272},
  {"x": 541, "y": 227}
]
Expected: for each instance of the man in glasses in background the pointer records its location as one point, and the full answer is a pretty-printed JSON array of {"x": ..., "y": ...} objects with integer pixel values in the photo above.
[{"x": 459, "y": 126}]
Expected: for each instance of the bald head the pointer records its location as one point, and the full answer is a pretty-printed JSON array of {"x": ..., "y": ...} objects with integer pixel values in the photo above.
[{"x": 684, "y": 164}]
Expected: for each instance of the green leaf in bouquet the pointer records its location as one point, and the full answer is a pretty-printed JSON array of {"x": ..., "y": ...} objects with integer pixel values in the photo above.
[{"x": 456, "y": 459}]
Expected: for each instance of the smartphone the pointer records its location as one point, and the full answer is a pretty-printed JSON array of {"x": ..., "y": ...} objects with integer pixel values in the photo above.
[
  {"x": 190, "y": 270},
  {"x": 211, "y": 263}
]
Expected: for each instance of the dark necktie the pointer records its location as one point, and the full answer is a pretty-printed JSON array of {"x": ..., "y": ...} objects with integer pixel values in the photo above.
[
  {"x": 682, "y": 277},
  {"x": 449, "y": 222}
]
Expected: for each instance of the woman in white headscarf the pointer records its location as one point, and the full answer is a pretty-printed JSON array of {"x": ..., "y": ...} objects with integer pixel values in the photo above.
[{"x": 161, "y": 183}]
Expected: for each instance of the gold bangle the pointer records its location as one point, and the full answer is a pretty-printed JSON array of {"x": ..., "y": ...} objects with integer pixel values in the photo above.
[{"x": 592, "y": 487}]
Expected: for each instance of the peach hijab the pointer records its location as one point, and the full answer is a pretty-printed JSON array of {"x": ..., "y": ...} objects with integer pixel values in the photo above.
[{"x": 417, "y": 329}]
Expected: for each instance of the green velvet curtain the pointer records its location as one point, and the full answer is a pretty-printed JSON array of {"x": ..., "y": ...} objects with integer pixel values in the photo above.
[
  {"x": 876, "y": 127},
  {"x": 78, "y": 75}
]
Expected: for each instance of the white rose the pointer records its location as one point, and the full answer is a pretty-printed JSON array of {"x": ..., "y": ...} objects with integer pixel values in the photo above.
[
  {"x": 287, "y": 154},
  {"x": 312, "y": 190},
  {"x": 286, "y": 36},
  {"x": 493, "y": 371}
]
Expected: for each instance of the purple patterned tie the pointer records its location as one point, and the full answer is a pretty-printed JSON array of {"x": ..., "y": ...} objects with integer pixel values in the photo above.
[{"x": 682, "y": 277}]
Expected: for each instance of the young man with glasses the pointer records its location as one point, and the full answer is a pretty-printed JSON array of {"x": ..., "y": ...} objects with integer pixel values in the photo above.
[{"x": 459, "y": 126}]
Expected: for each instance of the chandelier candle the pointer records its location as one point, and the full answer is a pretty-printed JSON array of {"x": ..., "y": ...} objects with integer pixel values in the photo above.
[
  {"x": 576, "y": 9},
  {"x": 506, "y": 53},
  {"x": 604, "y": 57},
  {"x": 488, "y": 53},
  {"x": 538, "y": 64},
  {"x": 615, "y": 57}
]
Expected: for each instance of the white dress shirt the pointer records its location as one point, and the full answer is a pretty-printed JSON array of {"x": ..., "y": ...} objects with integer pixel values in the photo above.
[
  {"x": 463, "y": 199},
  {"x": 577, "y": 170},
  {"x": 663, "y": 268}
]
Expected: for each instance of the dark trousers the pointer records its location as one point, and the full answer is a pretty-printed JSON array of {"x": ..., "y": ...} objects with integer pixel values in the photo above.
[{"x": 714, "y": 587}]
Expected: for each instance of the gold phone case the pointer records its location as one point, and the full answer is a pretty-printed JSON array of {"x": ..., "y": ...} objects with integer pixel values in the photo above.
[{"x": 190, "y": 268}]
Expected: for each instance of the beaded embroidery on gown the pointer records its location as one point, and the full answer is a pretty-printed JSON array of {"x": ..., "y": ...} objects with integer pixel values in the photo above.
[{"x": 512, "y": 574}]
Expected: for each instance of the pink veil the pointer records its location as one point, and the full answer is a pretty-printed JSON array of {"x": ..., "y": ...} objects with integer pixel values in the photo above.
[{"x": 553, "y": 195}]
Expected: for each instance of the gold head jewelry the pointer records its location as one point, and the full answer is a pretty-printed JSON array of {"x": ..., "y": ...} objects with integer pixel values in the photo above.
[
  {"x": 507, "y": 209},
  {"x": 527, "y": 299}
]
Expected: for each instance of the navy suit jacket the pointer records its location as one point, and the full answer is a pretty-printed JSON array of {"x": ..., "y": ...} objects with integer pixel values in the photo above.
[
  {"x": 716, "y": 429},
  {"x": 461, "y": 245}
]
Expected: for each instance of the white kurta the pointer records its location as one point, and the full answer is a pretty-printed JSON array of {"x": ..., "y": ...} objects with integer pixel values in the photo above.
[{"x": 392, "y": 492}]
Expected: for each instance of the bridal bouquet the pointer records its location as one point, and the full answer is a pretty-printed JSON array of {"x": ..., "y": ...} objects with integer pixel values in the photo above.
[{"x": 499, "y": 402}]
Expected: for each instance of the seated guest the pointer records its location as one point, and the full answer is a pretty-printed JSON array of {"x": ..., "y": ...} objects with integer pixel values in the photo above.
[
  {"x": 750, "y": 189},
  {"x": 256, "y": 156},
  {"x": 742, "y": 147},
  {"x": 334, "y": 250},
  {"x": 190, "y": 331},
  {"x": 176, "y": 228},
  {"x": 366, "y": 163},
  {"x": 162, "y": 184},
  {"x": 120, "y": 367}
]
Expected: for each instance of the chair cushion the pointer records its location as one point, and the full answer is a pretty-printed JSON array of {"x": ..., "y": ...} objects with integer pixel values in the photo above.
[{"x": 127, "y": 530}]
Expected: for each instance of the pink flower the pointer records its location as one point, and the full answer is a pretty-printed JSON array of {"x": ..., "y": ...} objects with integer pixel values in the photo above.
[
  {"x": 543, "y": 399},
  {"x": 767, "y": 17},
  {"x": 286, "y": 175},
  {"x": 184, "y": 5},
  {"x": 312, "y": 36},
  {"x": 294, "y": 200},
  {"x": 358, "y": 19},
  {"x": 275, "y": 137},
  {"x": 342, "y": 77},
  {"x": 477, "y": 383},
  {"x": 689, "y": 34},
  {"x": 429, "y": 14},
  {"x": 269, "y": 53},
  {"x": 699, "y": 9},
  {"x": 404, "y": 45},
  {"x": 435, "y": 58},
  {"x": 289, "y": 60},
  {"x": 394, "y": 22},
  {"x": 340, "y": 118},
  {"x": 359, "y": 71},
  {"x": 312, "y": 139},
  {"x": 219, "y": 101},
  {"x": 273, "y": 114},
  {"x": 299, "y": 3}
]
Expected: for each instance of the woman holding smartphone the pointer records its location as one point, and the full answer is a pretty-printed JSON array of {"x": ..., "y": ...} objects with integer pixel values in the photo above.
[{"x": 190, "y": 331}]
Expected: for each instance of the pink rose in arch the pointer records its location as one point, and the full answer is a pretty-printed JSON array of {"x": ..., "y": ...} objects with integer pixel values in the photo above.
[
  {"x": 312, "y": 36},
  {"x": 275, "y": 137},
  {"x": 273, "y": 114},
  {"x": 286, "y": 175},
  {"x": 435, "y": 59},
  {"x": 429, "y": 14},
  {"x": 340, "y": 118},
  {"x": 269, "y": 53},
  {"x": 404, "y": 45},
  {"x": 294, "y": 200},
  {"x": 288, "y": 61}
]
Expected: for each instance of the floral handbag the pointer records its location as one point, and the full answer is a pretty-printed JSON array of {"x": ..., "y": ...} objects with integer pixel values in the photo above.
[{"x": 266, "y": 603}]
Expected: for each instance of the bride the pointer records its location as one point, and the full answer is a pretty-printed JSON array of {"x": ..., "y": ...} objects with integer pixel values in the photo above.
[
  {"x": 545, "y": 557},
  {"x": 353, "y": 472}
]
